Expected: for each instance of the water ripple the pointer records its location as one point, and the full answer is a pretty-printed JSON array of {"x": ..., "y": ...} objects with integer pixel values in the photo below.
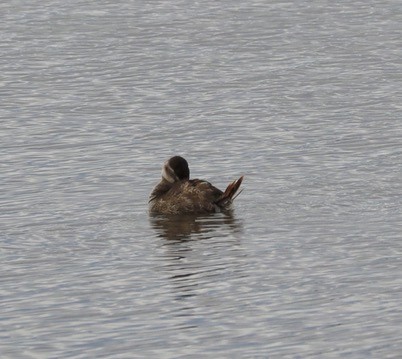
[{"x": 303, "y": 100}]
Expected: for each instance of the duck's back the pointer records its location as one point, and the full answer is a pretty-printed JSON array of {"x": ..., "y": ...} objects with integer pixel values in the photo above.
[{"x": 188, "y": 196}]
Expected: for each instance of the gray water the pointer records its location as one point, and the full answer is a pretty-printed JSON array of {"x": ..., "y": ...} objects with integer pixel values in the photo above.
[{"x": 302, "y": 98}]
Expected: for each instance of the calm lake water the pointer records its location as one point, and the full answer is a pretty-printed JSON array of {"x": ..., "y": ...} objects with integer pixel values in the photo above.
[{"x": 303, "y": 98}]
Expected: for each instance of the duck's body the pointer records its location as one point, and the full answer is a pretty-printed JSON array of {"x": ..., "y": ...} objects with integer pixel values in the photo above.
[{"x": 177, "y": 194}]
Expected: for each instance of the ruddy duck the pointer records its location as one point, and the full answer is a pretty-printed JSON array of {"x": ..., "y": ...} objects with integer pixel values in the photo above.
[{"x": 177, "y": 194}]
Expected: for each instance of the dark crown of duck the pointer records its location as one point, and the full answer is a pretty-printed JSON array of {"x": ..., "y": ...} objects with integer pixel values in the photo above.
[{"x": 176, "y": 169}]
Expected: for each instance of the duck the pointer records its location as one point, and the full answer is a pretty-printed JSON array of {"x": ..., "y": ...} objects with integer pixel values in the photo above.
[{"x": 177, "y": 194}]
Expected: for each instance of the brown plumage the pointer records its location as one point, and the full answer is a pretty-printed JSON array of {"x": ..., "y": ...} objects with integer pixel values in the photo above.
[
  {"x": 177, "y": 194},
  {"x": 229, "y": 195}
]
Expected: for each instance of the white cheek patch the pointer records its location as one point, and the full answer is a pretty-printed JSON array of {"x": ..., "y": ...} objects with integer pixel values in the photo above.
[{"x": 167, "y": 173}]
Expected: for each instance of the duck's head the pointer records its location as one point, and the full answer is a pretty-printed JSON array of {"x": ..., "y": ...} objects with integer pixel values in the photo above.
[{"x": 175, "y": 169}]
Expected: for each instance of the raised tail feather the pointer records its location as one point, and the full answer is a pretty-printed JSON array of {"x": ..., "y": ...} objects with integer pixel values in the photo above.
[{"x": 230, "y": 193}]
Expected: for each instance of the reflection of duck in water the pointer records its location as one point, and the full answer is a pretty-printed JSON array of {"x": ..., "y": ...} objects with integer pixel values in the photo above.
[
  {"x": 177, "y": 194},
  {"x": 191, "y": 226}
]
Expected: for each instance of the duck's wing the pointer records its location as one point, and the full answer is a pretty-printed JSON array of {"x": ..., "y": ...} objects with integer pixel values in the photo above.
[{"x": 197, "y": 196}]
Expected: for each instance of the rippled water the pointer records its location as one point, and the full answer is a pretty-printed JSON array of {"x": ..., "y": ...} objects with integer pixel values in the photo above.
[{"x": 302, "y": 98}]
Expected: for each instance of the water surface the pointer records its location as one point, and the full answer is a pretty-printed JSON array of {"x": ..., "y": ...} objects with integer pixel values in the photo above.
[{"x": 301, "y": 98}]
